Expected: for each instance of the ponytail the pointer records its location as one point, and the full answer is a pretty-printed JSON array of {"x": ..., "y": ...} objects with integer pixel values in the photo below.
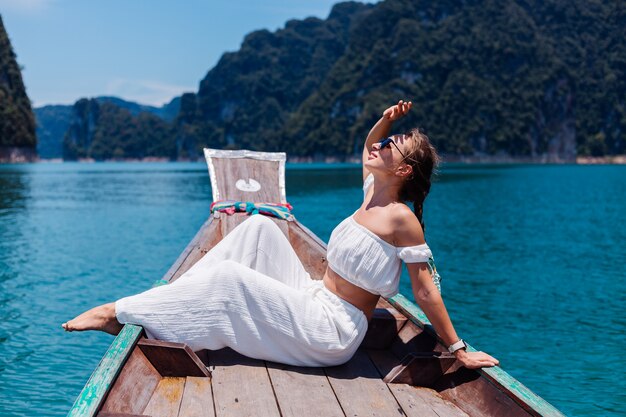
[
  {"x": 423, "y": 160},
  {"x": 418, "y": 209}
]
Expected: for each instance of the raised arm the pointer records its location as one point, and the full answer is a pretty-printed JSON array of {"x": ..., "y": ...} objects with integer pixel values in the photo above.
[
  {"x": 429, "y": 299},
  {"x": 382, "y": 128},
  {"x": 408, "y": 232}
]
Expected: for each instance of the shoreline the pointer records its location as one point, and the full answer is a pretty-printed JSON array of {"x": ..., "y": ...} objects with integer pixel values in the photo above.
[
  {"x": 601, "y": 160},
  {"x": 468, "y": 160}
]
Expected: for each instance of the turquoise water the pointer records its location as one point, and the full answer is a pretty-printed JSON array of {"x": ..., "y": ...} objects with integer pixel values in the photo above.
[{"x": 532, "y": 260}]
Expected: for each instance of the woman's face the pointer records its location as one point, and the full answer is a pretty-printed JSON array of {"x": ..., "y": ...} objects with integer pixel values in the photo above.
[{"x": 389, "y": 157}]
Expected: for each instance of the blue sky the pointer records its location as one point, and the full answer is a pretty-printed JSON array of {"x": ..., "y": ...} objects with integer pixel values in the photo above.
[{"x": 141, "y": 50}]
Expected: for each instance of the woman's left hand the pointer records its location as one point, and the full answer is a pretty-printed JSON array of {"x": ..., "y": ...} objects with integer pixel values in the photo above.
[
  {"x": 475, "y": 360},
  {"x": 397, "y": 111}
]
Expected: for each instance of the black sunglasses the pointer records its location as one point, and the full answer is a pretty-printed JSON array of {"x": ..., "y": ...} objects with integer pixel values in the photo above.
[{"x": 387, "y": 143}]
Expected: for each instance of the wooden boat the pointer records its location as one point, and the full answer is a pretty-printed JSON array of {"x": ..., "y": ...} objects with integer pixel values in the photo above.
[{"x": 401, "y": 368}]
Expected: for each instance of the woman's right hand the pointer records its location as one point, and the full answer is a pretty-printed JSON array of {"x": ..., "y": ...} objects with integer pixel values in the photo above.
[
  {"x": 475, "y": 360},
  {"x": 397, "y": 111}
]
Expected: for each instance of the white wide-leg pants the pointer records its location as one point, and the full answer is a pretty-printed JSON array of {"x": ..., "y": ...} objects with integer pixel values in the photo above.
[{"x": 251, "y": 293}]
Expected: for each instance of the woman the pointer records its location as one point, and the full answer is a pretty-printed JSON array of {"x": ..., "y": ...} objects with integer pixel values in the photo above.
[{"x": 242, "y": 295}]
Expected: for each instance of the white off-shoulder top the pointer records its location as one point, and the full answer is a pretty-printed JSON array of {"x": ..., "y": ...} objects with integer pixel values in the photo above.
[{"x": 361, "y": 257}]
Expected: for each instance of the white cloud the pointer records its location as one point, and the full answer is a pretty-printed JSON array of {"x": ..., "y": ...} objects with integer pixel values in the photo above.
[
  {"x": 155, "y": 93},
  {"x": 25, "y": 6}
]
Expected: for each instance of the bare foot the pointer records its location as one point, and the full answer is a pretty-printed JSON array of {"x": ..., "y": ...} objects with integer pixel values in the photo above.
[{"x": 98, "y": 318}]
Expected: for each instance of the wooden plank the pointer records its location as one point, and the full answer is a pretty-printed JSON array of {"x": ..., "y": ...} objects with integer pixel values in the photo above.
[
  {"x": 412, "y": 338},
  {"x": 303, "y": 391},
  {"x": 384, "y": 360},
  {"x": 315, "y": 240},
  {"x": 197, "y": 398},
  {"x": 383, "y": 328},
  {"x": 531, "y": 402},
  {"x": 229, "y": 171},
  {"x": 475, "y": 395},
  {"x": 105, "y": 414},
  {"x": 390, "y": 312},
  {"x": 421, "y": 369},
  {"x": 102, "y": 378},
  {"x": 500, "y": 379},
  {"x": 465, "y": 388},
  {"x": 309, "y": 248},
  {"x": 165, "y": 401},
  {"x": 360, "y": 390},
  {"x": 241, "y": 386},
  {"x": 383, "y": 303},
  {"x": 229, "y": 222},
  {"x": 173, "y": 359},
  {"x": 282, "y": 225},
  {"x": 424, "y": 402},
  {"x": 412, "y": 403},
  {"x": 133, "y": 387}
]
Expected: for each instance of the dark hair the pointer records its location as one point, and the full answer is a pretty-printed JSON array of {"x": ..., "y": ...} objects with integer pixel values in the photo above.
[{"x": 423, "y": 158}]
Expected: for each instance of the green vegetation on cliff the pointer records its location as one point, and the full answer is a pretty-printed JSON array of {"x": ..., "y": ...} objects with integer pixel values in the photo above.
[
  {"x": 53, "y": 121},
  {"x": 521, "y": 78},
  {"x": 106, "y": 131},
  {"x": 17, "y": 123},
  {"x": 250, "y": 94}
]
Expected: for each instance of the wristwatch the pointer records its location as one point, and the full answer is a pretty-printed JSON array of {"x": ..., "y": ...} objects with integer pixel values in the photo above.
[{"x": 457, "y": 345}]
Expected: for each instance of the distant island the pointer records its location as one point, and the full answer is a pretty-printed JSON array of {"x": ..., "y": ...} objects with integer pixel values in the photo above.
[{"x": 490, "y": 81}]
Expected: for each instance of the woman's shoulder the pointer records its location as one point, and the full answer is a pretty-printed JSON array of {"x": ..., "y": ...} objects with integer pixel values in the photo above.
[{"x": 407, "y": 228}]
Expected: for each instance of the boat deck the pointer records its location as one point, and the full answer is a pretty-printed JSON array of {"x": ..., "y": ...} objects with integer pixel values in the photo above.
[{"x": 241, "y": 386}]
